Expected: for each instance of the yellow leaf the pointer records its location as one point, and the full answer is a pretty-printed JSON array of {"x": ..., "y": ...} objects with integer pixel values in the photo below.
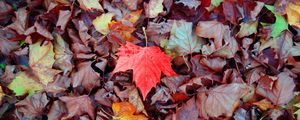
[
  {"x": 41, "y": 59},
  {"x": 125, "y": 111},
  {"x": 101, "y": 23},
  {"x": 41, "y": 54},
  {"x": 90, "y": 4},
  {"x": 293, "y": 14},
  {"x": 1, "y": 94},
  {"x": 264, "y": 104}
]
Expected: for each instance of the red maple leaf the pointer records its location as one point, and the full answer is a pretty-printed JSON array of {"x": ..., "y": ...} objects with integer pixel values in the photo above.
[{"x": 147, "y": 64}]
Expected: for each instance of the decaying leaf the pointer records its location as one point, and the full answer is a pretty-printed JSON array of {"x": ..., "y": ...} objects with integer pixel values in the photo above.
[
  {"x": 282, "y": 91},
  {"x": 90, "y": 5},
  {"x": 153, "y": 8},
  {"x": 78, "y": 106},
  {"x": 41, "y": 60},
  {"x": 183, "y": 40}
]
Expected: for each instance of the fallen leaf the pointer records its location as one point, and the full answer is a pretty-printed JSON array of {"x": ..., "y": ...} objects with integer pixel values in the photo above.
[
  {"x": 153, "y": 8},
  {"x": 280, "y": 23},
  {"x": 57, "y": 110},
  {"x": 211, "y": 29},
  {"x": 63, "y": 19},
  {"x": 20, "y": 24},
  {"x": 32, "y": 106},
  {"x": 188, "y": 111},
  {"x": 192, "y": 4},
  {"x": 146, "y": 74},
  {"x": 90, "y": 5},
  {"x": 41, "y": 59},
  {"x": 85, "y": 76},
  {"x": 264, "y": 104},
  {"x": 136, "y": 101},
  {"x": 222, "y": 99},
  {"x": 63, "y": 54},
  {"x": 247, "y": 29},
  {"x": 293, "y": 14},
  {"x": 182, "y": 39},
  {"x": 101, "y": 23},
  {"x": 125, "y": 111},
  {"x": 78, "y": 106},
  {"x": 282, "y": 91},
  {"x": 131, "y": 4}
]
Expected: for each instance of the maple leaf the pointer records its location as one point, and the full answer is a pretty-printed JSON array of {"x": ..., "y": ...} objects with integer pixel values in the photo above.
[
  {"x": 32, "y": 106},
  {"x": 41, "y": 59},
  {"x": 183, "y": 39},
  {"x": 153, "y": 8},
  {"x": 282, "y": 90},
  {"x": 78, "y": 106},
  {"x": 280, "y": 23},
  {"x": 147, "y": 72},
  {"x": 211, "y": 29},
  {"x": 222, "y": 99},
  {"x": 125, "y": 111},
  {"x": 90, "y": 4},
  {"x": 293, "y": 14}
]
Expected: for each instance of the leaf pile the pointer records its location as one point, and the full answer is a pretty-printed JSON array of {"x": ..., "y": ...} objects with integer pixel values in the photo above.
[{"x": 149, "y": 59}]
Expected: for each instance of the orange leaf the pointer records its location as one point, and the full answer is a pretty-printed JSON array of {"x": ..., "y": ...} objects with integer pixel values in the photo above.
[
  {"x": 125, "y": 111},
  {"x": 264, "y": 104}
]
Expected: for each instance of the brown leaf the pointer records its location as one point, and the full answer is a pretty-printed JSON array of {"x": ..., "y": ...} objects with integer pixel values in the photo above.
[
  {"x": 32, "y": 106},
  {"x": 6, "y": 46},
  {"x": 78, "y": 106},
  {"x": 63, "y": 19},
  {"x": 57, "y": 111},
  {"x": 60, "y": 84},
  {"x": 282, "y": 90},
  {"x": 211, "y": 29},
  {"x": 38, "y": 28},
  {"x": 102, "y": 97},
  {"x": 162, "y": 95},
  {"x": 20, "y": 23},
  {"x": 222, "y": 100},
  {"x": 173, "y": 82},
  {"x": 63, "y": 54},
  {"x": 188, "y": 111},
  {"x": 85, "y": 76},
  {"x": 136, "y": 101}
]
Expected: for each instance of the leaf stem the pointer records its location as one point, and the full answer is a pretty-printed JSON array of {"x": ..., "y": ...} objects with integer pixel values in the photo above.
[{"x": 145, "y": 36}]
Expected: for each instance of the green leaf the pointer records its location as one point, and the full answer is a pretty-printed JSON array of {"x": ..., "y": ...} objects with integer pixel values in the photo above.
[
  {"x": 23, "y": 84},
  {"x": 280, "y": 23},
  {"x": 2, "y": 66},
  {"x": 182, "y": 39},
  {"x": 22, "y": 43}
]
